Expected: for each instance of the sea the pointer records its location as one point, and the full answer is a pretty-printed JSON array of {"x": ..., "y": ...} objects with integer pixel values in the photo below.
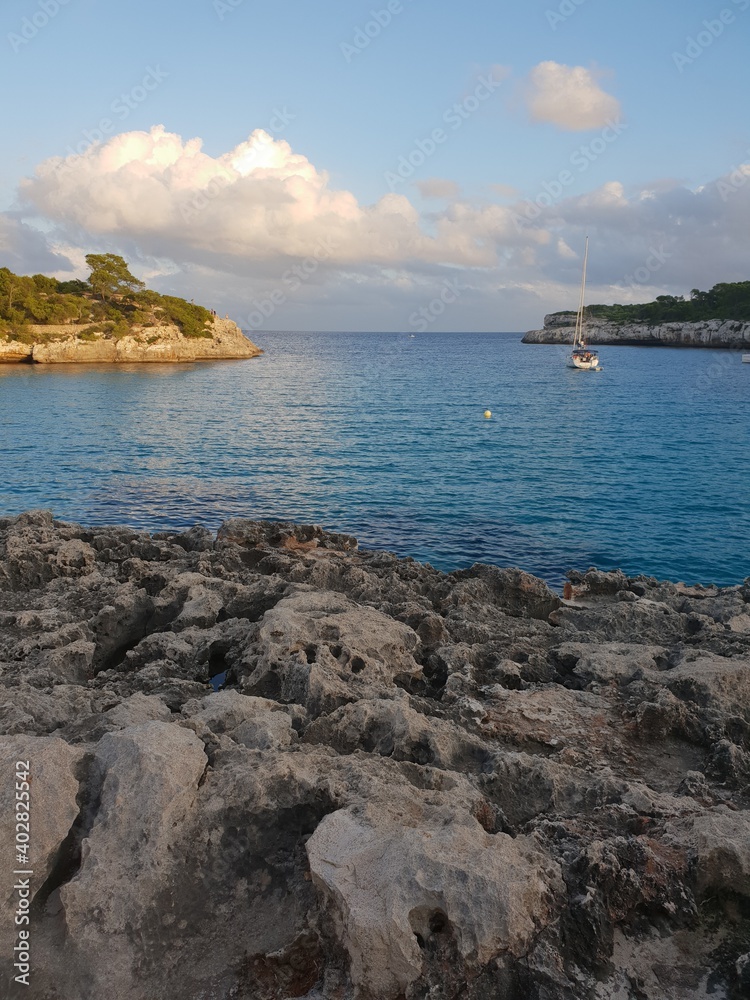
[{"x": 644, "y": 466}]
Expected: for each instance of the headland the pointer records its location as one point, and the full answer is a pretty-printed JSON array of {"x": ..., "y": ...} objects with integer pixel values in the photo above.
[
  {"x": 112, "y": 317},
  {"x": 719, "y": 318},
  {"x": 560, "y": 327}
]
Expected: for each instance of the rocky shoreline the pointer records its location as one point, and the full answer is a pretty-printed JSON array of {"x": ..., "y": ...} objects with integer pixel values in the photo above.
[
  {"x": 560, "y": 327},
  {"x": 266, "y": 764},
  {"x": 149, "y": 344}
]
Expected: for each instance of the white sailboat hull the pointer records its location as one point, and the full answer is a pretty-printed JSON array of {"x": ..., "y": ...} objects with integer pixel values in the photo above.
[{"x": 586, "y": 366}]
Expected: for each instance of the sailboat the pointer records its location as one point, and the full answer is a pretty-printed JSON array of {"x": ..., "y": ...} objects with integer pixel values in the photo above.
[{"x": 582, "y": 357}]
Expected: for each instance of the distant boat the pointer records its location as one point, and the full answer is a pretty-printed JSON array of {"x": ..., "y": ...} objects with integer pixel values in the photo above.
[
  {"x": 746, "y": 358},
  {"x": 582, "y": 357}
]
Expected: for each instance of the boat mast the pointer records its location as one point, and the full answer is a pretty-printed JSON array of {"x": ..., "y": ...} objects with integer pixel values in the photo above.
[{"x": 578, "y": 338}]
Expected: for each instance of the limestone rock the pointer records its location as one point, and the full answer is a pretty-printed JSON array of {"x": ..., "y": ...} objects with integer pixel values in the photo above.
[
  {"x": 52, "y": 805},
  {"x": 527, "y": 798},
  {"x": 151, "y": 344},
  {"x": 391, "y": 728},
  {"x": 253, "y": 722},
  {"x": 394, "y": 885},
  {"x": 720, "y": 847},
  {"x": 149, "y": 783},
  {"x": 559, "y": 329},
  {"x": 31, "y": 711},
  {"x": 516, "y": 592},
  {"x": 321, "y": 650}
]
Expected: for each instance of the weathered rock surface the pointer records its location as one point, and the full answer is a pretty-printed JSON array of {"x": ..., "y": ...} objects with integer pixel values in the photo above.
[
  {"x": 560, "y": 327},
  {"x": 48, "y": 812},
  {"x": 391, "y": 879},
  {"x": 268, "y": 765},
  {"x": 149, "y": 344}
]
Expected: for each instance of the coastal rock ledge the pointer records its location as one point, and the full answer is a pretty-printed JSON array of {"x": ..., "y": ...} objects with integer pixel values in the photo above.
[
  {"x": 560, "y": 327},
  {"x": 265, "y": 764},
  {"x": 65, "y": 345}
]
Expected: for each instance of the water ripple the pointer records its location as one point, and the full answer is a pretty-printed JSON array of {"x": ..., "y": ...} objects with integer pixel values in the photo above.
[{"x": 642, "y": 466}]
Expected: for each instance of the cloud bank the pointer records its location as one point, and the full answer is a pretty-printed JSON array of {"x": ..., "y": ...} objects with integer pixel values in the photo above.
[
  {"x": 260, "y": 219},
  {"x": 259, "y": 201}
]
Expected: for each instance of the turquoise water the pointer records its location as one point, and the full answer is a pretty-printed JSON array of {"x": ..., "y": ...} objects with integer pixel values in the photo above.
[{"x": 642, "y": 466}]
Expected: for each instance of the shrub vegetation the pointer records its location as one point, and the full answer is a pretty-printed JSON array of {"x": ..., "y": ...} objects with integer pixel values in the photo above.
[
  {"x": 723, "y": 301},
  {"x": 112, "y": 303}
]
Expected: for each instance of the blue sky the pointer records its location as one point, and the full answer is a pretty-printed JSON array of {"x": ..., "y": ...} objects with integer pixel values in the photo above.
[{"x": 220, "y": 70}]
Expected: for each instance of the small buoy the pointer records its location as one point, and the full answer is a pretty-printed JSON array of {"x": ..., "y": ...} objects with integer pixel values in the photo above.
[{"x": 488, "y": 413}]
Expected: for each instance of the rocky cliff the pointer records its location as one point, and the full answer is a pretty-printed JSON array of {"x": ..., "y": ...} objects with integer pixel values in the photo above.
[
  {"x": 265, "y": 764},
  {"x": 149, "y": 344},
  {"x": 560, "y": 327}
]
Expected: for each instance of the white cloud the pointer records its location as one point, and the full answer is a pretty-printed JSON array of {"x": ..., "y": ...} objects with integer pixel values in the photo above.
[
  {"x": 258, "y": 202},
  {"x": 272, "y": 209},
  {"x": 569, "y": 97}
]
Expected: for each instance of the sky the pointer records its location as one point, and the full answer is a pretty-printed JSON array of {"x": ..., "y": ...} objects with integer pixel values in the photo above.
[{"x": 396, "y": 165}]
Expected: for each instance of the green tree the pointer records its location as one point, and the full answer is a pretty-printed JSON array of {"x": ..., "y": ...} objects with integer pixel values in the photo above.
[
  {"x": 110, "y": 276},
  {"x": 74, "y": 287}
]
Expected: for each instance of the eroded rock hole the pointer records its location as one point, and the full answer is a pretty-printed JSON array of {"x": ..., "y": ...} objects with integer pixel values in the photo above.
[
  {"x": 432, "y": 928},
  {"x": 217, "y": 667}
]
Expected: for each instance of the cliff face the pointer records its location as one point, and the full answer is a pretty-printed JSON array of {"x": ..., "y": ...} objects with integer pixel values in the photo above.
[
  {"x": 560, "y": 327},
  {"x": 150, "y": 344},
  {"x": 412, "y": 784}
]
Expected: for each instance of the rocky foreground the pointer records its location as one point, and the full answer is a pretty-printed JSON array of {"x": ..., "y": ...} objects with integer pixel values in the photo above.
[
  {"x": 147, "y": 344},
  {"x": 560, "y": 327},
  {"x": 409, "y": 784}
]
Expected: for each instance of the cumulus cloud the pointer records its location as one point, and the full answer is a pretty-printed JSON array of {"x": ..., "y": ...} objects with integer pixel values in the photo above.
[
  {"x": 437, "y": 187},
  {"x": 226, "y": 230},
  {"x": 258, "y": 202},
  {"x": 569, "y": 97}
]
